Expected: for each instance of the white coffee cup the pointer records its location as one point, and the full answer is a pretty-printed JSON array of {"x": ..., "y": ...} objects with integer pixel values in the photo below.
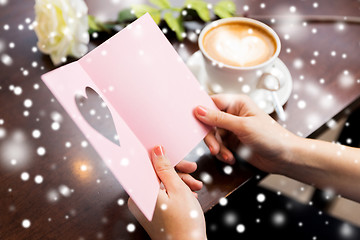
[{"x": 245, "y": 76}]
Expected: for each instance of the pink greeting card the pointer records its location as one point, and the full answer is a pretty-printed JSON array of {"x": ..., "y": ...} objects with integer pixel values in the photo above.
[{"x": 151, "y": 95}]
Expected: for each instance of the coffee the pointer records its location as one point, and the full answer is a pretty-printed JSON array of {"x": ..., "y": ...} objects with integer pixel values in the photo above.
[{"x": 239, "y": 44}]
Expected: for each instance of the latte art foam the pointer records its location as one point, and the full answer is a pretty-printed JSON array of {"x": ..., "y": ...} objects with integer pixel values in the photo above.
[{"x": 238, "y": 44}]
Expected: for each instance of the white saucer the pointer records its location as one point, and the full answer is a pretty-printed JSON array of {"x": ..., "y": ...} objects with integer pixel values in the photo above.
[{"x": 261, "y": 96}]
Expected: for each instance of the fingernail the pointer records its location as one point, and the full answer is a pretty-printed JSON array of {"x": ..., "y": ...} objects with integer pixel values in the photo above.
[
  {"x": 159, "y": 151},
  {"x": 225, "y": 157},
  {"x": 211, "y": 149},
  {"x": 201, "y": 111}
]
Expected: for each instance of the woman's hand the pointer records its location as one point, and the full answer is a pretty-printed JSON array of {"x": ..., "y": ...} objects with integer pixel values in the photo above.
[
  {"x": 184, "y": 168},
  {"x": 240, "y": 119},
  {"x": 178, "y": 214}
]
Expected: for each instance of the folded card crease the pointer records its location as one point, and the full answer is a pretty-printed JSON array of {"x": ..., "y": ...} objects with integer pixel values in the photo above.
[
  {"x": 151, "y": 95},
  {"x": 124, "y": 160}
]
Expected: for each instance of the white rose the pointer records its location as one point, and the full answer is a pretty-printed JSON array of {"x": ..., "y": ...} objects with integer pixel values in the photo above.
[{"x": 62, "y": 28}]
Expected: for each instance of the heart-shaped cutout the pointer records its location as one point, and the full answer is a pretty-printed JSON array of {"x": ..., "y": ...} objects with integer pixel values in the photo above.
[{"x": 95, "y": 111}]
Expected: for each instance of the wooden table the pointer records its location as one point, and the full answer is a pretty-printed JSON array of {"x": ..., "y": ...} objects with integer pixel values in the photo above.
[{"x": 54, "y": 186}]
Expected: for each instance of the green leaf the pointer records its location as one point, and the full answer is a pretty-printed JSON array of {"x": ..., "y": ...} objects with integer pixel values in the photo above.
[
  {"x": 201, "y": 7},
  {"x": 92, "y": 23},
  {"x": 161, "y": 3},
  {"x": 175, "y": 24},
  {"x": 126, "y": 15},
  {"x": 225, "y": 9},
  {"x": 95, "y": 26},
  {"x": 141, "y": 9}
]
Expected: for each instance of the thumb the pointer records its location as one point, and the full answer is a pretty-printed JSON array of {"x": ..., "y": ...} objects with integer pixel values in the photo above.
[
  {"x": 217, "y": 118},
  {"x": 165, "y": 171}
]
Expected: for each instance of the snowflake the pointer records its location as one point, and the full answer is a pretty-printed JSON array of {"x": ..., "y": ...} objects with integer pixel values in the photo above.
[
  {"x": 36, "y": 133},
  {"x": 130, "y": 227},
  {"x": 83, "y": 168},
  {"x": 194, "y": 213},
  {"x": 64, "y": 190},
  {"x": 206, "y": 178},
  {"x": 15, "y": 150},
  {"x": 84, "y": 144},
  {"x": 278, "y": 219},
  {"x": 301, "y": 104},
  {"x": 56, "y": 117},
  {"x": 230, "y": 219},
  {"x": 68, "y": 144},
  {"x": 28, "y": 103},
  {"x": 244, "y": 152},
  {"x": 228, "y": 170},
  {"x": 240, "y": 228},
  {"x": 346, "y": 230},
  {"x": 200, "y": 151},
  {"x": 18, "y": 90},
  {"x": 52, "y": 196},
  {"x": 41, "y": 151},
  {"x": 25, "y": 176},
  {"x": 120, "y": 202},
  {"x": 25, "y": 72},
  {"x": 331, "y": 124},
  {"x": 26, "y": 223},
  {"x": 38, "y": 179},
  {"x": 298, "y": 63},
  {"x": 260, "y": 198},
  {"x": 2, "y": 133},
  {"x": 340, "y": 26},
  {"x": 124, "y": 162},
  {"x": 223, "y": 201}
]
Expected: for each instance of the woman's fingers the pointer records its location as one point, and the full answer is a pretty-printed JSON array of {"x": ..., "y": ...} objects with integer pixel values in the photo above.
[
  {"x": 166, "y": 173},
  {"x": 192, "y": 183},
  {"x": 225, "y": 155},
  {"x": 223, "y": 101},
  {"x": 217, "y": 118},
  {"x": 212, "y": 143},
  {"x": 186, "y": 166}
]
